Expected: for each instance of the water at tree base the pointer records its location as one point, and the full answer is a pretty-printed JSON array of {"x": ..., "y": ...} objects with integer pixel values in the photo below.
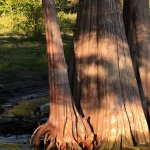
[
  {"x": 20, "y": 119},
  {"x": 15, "y": 142}
]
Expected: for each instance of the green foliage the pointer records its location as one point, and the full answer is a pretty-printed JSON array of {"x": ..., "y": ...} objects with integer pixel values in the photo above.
[
  {"x": 26, "y": 16},
  {"x": 121, "y": 1},
  {"x": 22, "y": 16},
  {"x": 67, "y": 6},
  {"x": 66, "y": 21},
  {"x": 34, "y": 23}
]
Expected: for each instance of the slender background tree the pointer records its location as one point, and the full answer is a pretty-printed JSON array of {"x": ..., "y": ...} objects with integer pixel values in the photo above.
[{"x": 65, "y": 128}]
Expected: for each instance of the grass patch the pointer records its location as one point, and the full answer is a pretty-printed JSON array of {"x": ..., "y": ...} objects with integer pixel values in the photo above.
[
  {"x": 27, "y": 107},
  {"x": 16, "y": 54},
  {"x": 66, "y": 21},
  {"x": 14, "y": 145},
  {"x": 20, "y": 57}
]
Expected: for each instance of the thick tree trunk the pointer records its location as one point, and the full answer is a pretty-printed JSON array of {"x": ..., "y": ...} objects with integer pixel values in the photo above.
[
  {"x": 136, "y": 20},
  {"x": 107, "y": 84},
  {"x": 65, "y": 128}
]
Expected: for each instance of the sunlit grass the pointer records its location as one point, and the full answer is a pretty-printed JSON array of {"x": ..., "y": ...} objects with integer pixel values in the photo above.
[
  {"x": 14, "y": 145},
  {"x": 27, "y": 107},
  {"x": 19, "y": 57},
  {"x": 25, "y": 59}
]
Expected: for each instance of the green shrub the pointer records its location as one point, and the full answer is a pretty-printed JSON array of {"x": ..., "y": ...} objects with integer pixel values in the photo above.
[
  {"x": 66, "y": 21},
  {"x": 26, "y": 17}
]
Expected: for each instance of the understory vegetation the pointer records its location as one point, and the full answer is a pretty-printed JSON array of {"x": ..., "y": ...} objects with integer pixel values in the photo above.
[
  {"x": 22, "y": 35},
  {"x": 25, "y": 17}
]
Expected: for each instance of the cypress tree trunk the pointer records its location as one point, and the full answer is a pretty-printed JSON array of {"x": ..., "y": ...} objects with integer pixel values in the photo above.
[
  {"x": 136, "y": 20},
  {"x": 107, "y": 85},
  {"x": 65, "y": 128}
]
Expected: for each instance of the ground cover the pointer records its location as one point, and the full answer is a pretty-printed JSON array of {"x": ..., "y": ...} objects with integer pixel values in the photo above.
[
  {"x": 23, "y": 79},
  {"x": 23, "y": 65}
]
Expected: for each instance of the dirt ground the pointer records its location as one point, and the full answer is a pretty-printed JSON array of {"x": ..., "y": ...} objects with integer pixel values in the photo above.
[{"x": 11, "y": 91}]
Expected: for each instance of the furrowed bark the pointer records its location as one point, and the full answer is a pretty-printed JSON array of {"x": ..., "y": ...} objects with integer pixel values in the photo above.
[
  {"x": 65, "y": 128},
  {"x": 136, "y": 20},
  {"x": 108, "y": 88}
]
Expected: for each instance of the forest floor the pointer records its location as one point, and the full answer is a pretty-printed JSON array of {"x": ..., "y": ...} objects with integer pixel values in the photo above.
[
  {"x": 23, "y": 83},
  {"x": 23, "y": 76},
  {"x": 23, "y": 88},
  {"x": 23, "y": 66}
]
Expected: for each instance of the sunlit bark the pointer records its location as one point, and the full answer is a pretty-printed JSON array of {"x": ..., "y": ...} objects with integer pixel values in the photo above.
[
  {"x": 106, "y": 82},
  {"x": 65, "y": 128}
]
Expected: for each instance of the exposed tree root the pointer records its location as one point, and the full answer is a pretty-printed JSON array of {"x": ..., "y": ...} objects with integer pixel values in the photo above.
[
  {"x": 70, "y": 139},
  {"x": 65, "y": 128}
]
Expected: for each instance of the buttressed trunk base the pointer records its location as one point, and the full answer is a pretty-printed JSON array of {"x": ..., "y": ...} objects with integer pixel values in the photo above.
[
  {"x": 65, "y": 128},
  {"x": 106, "y": 82}
]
